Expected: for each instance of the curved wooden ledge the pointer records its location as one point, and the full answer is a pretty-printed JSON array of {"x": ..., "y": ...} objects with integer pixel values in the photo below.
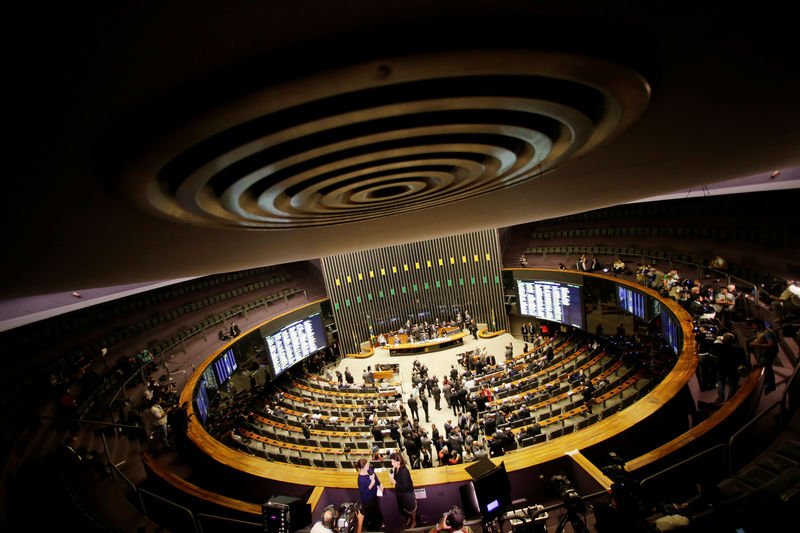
[
  {"x": 727, "y": 409},
  {"x": 363, "y": 355},
  {"x": 197, "y": 492},
  {"x": 486, "y": 334},
  {"x": 530, "y": 456}
]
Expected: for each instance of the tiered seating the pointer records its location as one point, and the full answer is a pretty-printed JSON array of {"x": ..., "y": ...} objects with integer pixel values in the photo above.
[{"x": 339, "y": 433}]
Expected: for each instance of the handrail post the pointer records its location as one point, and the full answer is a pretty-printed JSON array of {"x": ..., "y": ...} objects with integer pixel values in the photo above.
[
  {"x": 747, "y": 425},
  {"x": 188, "y": 511}
]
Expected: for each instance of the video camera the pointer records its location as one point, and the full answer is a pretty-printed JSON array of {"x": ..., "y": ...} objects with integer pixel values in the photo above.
[
  {"x": 572, "y": 500},
  {"x": 346, "y": 522}
]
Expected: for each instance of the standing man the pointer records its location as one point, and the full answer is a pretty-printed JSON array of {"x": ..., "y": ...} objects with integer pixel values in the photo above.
[
  {"x": 436, "y": 392},
  {"x": 509, "y": 352},
  {"x": 423, "y": 400},
  {"x": 524, "y": 331},
  {"x": 348, "y": 376},
  {"x": 179, "y": 420},
  {"x": 160, "y": 422},
  {"x": 368, "y": 377},
  {"x": 765, "y": 347},
  {"x": 412, "y": 407},
  {"x": 447, "y": 391},
  {"x": 730, "y": 359},
  {"x": 454, "y": 401}
]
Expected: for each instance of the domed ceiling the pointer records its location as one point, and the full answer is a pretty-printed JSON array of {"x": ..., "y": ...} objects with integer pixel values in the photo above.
[
  {"x": 386, "y": 137},
  {"x": 178, "y": 139}
]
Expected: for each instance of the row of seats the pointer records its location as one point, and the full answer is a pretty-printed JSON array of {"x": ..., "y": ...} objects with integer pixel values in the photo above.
[
  {"x": 93, "y": 400},
  {"x": 629, "y": 253},
  {"x": 715, "y": 233},
  {"x": 701, "y": 209},
  {"x": 341, "y": 402},
  {"x": 44, "y": 332},
  {"x": 280, "y": 445},
  {"x": 355, "y": 431},
  {"x": 559, "y": 399}
]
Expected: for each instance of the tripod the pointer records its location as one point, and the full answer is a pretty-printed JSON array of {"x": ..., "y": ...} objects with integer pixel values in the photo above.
[{"x": 574, "y": 517}]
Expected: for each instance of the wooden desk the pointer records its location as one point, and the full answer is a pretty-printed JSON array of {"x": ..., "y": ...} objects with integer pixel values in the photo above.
[
  {"x": 427, "y": 346},
  {"x": 383, "y": 374}
]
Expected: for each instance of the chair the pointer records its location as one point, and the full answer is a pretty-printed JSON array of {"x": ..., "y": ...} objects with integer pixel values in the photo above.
[{"x": 302, "y": 461}]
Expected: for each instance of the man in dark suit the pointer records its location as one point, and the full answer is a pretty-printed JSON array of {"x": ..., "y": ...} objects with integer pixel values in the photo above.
[
  {"x": 234, "y": 330},
  {"x": 497, "y": 446},
  {"x": 412, "y": 407},
  {"x": 489, "y": 425},
  {"x": 456, "y": 442},
  {"x": 436, "y": 392},
  {"x": 423, "y": 401},
  {"x": 448, "y": 427}
]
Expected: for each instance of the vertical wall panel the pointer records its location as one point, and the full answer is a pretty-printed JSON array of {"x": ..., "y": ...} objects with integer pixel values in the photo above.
[{"x": 470, "y": 282}]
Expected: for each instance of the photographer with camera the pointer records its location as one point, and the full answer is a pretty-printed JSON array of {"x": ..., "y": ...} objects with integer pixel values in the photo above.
[
  {"x": 369, "y": 487},
  {"x": 452, "y": 521},
  {"x": 348, "y": 519}
]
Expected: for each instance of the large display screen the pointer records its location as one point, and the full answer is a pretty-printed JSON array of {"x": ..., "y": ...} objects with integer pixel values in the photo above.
[
  {"x": 224, "y": 366},
  {"x": 201, "y": 401},
  {"x": 656, "y": 308},
  {"x": 670, "y": 329},
  {"x": 631, "y": 301},
  {"x": 551, "y": 300},
  {"x": 210, "y": 378},
  {"x": 294, "y": 342}
]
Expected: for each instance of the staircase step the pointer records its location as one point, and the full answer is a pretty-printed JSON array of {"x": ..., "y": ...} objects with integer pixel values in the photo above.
[
  {"x": 776, "y": 463},
  {"x": 731, "y": 488},
  {"x": 755, "y": 476},
  {"x": 790, "y": 450}
]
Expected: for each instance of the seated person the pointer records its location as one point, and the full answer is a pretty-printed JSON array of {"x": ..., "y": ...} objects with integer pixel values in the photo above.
[
  {"x": 788, "y": 303},
  {"x": 397, "y": 341},
  {"x": 381, "y": 340}
]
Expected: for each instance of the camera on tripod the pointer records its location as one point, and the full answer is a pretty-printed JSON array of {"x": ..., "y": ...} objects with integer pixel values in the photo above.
[
  {"x": 572, "y": 500},
  {"x": 573, "y": 503}
]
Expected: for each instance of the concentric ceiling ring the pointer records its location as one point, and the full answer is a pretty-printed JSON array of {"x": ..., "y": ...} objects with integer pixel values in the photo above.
[{"x": 378, "y": 139}]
